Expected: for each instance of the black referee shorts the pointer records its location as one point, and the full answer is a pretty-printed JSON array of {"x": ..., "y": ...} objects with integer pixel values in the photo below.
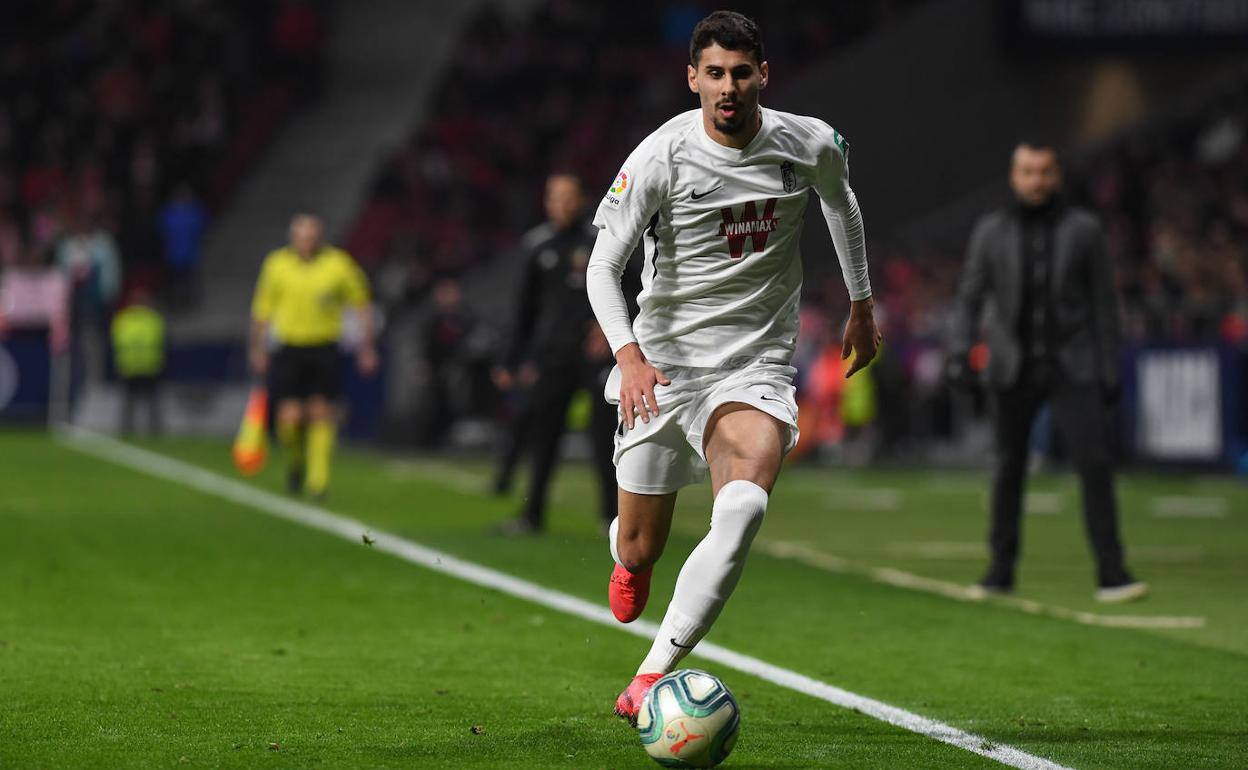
[{"x": 299, "y": 372}]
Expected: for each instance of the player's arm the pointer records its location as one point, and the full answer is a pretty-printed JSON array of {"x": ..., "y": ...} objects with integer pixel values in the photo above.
[
  {"x": 606, "y": 297},
  {"x": 844, "y": 219},
  {"x": 262, "y": 306},
  {"x": 621, "y": 216}
]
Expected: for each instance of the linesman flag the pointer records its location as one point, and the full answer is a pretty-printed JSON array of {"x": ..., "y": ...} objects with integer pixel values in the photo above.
[{"x": 251, "y": 446}]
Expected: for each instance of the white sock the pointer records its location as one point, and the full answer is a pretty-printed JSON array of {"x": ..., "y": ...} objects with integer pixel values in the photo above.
[
  {"x": 613, "y": 532},
  {"x": 709, "y": 575}
]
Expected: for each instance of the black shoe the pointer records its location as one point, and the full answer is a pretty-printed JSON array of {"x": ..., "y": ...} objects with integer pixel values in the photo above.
[
  {"x": 294, "y": 481},
  {"x": 517, "y": 527}
]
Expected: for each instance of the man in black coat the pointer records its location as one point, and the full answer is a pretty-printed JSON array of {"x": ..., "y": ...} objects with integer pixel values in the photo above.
[
  {"x": 1040, "y": 269},
  {"x": 558, "y": 348}
]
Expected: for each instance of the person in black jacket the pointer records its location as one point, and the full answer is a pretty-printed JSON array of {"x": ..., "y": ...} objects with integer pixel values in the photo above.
[
  {"x": 1040, "y": 269},
  {"x": 558, "y": 348}
]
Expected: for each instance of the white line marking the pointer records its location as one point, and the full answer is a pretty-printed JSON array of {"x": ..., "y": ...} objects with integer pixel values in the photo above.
[
  {"x": 210, "y": 483},
  {"x": 967, "y": 551},
  {"x": 804, "y": 554},
  {"x": 1187, "y": 507}
]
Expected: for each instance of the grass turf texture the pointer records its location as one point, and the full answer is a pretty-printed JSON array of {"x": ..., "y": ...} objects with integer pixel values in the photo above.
[{"x": 143, "y": 624}]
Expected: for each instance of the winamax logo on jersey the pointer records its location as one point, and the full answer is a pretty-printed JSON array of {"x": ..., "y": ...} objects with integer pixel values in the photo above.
[{"x": 750, "y": 225}]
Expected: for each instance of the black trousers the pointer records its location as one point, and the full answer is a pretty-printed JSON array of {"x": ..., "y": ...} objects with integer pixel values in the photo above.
[
  {"x": 1083, "y": 419},
  {"x": 548, "y": 405},
  {"x": 142, "y": 389}
]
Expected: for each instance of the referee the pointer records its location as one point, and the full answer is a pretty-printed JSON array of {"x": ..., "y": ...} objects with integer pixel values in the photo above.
[{"x": 303, "y": 289}]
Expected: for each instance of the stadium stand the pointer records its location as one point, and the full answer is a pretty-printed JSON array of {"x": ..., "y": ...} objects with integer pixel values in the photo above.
[{"x": 111, "y": 111}]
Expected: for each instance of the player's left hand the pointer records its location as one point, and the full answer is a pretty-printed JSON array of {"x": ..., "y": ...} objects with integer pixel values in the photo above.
[
  {"x": 862, "y": 337},
  {"x": 366, "y": 360}
]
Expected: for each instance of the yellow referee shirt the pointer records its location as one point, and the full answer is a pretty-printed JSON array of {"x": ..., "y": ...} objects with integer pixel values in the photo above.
[{"x": 304, "y": 299}]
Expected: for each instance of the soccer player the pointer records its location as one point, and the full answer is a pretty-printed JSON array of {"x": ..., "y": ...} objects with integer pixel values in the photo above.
[
  {"x": 302, "y": 292},
  {"x": 719, "y": 193}
]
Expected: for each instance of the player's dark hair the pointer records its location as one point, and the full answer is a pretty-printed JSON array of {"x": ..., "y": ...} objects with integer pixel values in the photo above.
[{"x": 731, "y": 30}]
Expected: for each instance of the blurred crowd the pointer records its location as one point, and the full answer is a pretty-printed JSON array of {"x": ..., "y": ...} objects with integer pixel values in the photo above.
[
  {"x": 125, "y": 124},
  {"x": 575, "y": 86}
]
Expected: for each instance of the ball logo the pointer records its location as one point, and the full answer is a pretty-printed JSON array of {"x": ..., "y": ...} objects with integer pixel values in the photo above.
[
  {"x": 682, "y": 738},
  {"x": 615, "y": 194}
]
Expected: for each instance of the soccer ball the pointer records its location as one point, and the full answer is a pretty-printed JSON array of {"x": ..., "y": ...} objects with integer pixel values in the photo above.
[{"x": 688, "y": 719}]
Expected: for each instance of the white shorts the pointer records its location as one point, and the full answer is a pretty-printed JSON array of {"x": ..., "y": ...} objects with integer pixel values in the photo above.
[{"x": 666, "y": 454}]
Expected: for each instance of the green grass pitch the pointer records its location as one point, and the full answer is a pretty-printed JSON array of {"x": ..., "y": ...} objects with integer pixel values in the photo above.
[{"x": 144, "y": 624}]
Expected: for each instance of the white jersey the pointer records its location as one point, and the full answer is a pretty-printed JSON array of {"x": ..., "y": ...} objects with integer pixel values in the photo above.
[{"x": 723, "y": 270}]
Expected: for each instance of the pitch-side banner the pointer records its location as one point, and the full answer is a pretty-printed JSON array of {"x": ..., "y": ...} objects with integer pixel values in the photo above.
[
  {"x": 1180, "y": 414},
  {"x": 1125, "y": 24}
]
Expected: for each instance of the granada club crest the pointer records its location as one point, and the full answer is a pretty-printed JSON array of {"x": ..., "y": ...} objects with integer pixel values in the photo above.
[{"x": 788, "y": 177}]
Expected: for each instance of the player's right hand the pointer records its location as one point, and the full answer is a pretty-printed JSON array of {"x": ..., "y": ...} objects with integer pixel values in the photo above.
[{"x": 637, "y": 381}]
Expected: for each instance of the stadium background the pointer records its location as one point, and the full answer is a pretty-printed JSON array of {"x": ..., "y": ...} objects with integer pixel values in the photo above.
[
  {"x": 172, "y": 139},
  {"x": 186, "y": 133}
]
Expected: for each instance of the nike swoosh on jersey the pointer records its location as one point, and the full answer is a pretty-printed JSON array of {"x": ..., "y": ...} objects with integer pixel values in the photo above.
[{"x": 696, "y": 196}]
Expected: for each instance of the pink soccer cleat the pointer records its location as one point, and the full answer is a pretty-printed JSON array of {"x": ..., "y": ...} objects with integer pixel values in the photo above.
[
  {"x": 629, "y": 702},
  {"x": 628, "y": 592}
]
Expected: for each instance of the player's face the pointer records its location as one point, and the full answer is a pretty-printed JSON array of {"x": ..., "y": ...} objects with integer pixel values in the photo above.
[
  {"x": 305, "y": 234},
  {"x": 728, "y": 82},
  {"x": 564, "y": 201},
  {"x": 1035, "y": 175}
]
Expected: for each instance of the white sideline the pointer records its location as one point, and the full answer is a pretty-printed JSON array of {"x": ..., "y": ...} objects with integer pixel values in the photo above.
[
  {"x": 804, "y": 554},
  {"x": 202, "y": 480}
]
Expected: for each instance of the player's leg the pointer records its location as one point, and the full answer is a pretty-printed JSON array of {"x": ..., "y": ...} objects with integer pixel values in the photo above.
[
  {"x": 290, "y": 433},
  {"x": 637, "y": 536},
  {"x": 652, "y": 462},
  {"x": 744, "y": 448},
  {"x": 285, "y": 388},
  {"x": 322, "y": 432},
  {"x": 322, "y": 386}
]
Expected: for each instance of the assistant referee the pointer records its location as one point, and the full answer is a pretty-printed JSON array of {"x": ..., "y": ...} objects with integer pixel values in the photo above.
[{"x": 303, "y": 289}]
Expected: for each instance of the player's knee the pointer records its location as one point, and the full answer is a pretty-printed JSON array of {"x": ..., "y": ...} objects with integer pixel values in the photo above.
[
  {"x": 318, "y": 409},
  {"x": 290, "y": 413},
  {"x": 637, "y": 553},
  {"x": 739, "y": 509}
]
